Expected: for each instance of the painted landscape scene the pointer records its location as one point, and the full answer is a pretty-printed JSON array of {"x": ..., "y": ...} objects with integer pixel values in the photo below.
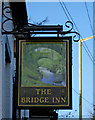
[{"x": 43, "y": 64}]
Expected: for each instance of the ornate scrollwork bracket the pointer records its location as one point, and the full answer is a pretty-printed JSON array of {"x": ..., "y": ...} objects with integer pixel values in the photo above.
[
  {"x": 6, "y": 19},
  {"x": 76, "y": 35},
  {"x": 37, "y": 29}
]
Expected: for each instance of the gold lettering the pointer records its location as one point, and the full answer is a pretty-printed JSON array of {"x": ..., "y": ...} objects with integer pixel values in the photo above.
[
  {"x": 53, "y": 100},
  {"x": 43, "y": 91},
  {"x": 36, "y": 100},
  {"x": 41, "y": 100},
  {"x": 46, "y": 100},
  {"x": 31, "y": 99},
  {"x": 57, "y": 100},
  {"x": 22, "y": 99},
  {"x": 38, "y": 91},
  {"x": 48, "y": 91},
  {"x": 63, "y": 99},
  {"x": 27, "y": 100}
]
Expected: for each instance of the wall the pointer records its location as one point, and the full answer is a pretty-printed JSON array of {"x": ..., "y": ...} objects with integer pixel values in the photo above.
[
  {"x": 0, "y": 62},
  {"x": 7, "y": 72}
]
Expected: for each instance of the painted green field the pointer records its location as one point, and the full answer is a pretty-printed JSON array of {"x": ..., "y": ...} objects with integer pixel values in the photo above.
[{"x": 43, "y": 64}]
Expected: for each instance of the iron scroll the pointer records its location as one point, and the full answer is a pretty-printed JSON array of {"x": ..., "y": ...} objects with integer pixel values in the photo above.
[{"x": 37, "y": 29}]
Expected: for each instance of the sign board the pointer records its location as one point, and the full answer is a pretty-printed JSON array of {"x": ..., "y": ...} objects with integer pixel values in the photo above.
[{"x": 44, "y": 72}]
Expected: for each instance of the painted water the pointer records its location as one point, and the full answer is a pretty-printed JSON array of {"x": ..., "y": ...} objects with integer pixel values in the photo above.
[{"x": 52, "y": 78}]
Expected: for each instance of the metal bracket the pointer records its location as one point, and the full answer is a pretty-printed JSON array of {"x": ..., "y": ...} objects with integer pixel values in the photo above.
[{"x": 38, "y": 29}]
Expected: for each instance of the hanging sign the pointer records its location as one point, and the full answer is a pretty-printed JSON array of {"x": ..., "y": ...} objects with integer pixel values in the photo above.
[{"x": 44, "y": 72}]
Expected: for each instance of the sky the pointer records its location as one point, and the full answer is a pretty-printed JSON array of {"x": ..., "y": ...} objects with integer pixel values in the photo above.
[{"x": 37, "y": 12}]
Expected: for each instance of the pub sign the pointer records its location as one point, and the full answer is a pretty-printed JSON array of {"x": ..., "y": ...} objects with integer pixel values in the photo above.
[{"x": 44, "y": 72}]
